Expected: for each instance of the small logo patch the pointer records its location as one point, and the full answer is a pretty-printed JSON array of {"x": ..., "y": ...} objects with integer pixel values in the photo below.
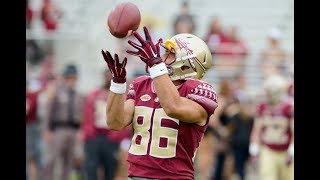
[
  {"x": 145, "y": 98},
  {"x": 156, "y": 99}
]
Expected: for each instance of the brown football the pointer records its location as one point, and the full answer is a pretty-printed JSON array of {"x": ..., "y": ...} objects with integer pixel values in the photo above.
[{"x": 123, "y": 19}]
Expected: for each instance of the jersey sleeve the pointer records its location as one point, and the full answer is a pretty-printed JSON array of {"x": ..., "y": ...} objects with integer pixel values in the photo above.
[{"x": 205, "y": 95}]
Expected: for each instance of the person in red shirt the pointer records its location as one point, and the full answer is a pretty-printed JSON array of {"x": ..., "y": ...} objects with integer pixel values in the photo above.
[
  {"x": 101, "y": 144},
  {"x": 169, "y": 110},
  {"x": 33, "y": 154},
  {"x": 234, "y": 45},
  {"x": 50, "y": 15},
  {"x": 215, "y": 35}
]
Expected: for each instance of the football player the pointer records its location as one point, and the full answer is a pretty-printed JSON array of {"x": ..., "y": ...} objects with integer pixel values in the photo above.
[
  {"x": 272, "y": 135},
  {"x": 169, "y": 109}
]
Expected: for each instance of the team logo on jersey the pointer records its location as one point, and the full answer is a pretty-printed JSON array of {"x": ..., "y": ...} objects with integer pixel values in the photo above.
[
  {"x": 156, "y": 99},
  {"x": 145, "y": 97}
]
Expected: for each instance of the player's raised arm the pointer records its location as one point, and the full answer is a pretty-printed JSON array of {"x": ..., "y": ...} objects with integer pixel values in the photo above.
[
  {"x": 119, "y": 111},
  {"x": 193, "y": 109}
]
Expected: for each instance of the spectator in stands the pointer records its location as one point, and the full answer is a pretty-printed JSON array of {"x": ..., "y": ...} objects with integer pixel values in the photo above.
[
  {"x": 62, "y": 124},
  {"x": 273, "y": 57},
  {"x": 33, "y": 154},
  {"x": 221, "y": 119},
  {"x": 240, "y": 130},
  {"x": 215, "y": 35},
  {"x": 184, "y": 22},
  {"x": 205, "y": 158},
  {"x": 274, "y": 51},
  {"x": 234, "y": 46},
  {"x": 239, "y": 86},
  {"x": 232, "y": 51},
  {"x": 241, "y": 124},
  {"x": 29, "y": 15},
  {"x": 45, "y": 95},
  {"x": 101, "y": 145},
  {"x": 50, "y": 15}
]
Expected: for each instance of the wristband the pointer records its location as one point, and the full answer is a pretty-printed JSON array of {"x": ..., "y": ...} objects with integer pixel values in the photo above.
[
  {"x": 158, "y": 70},
  {"x": 118, "y": 88}
]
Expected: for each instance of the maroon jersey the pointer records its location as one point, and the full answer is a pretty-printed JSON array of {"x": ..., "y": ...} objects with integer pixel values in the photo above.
[
  {"x": 276, "y": 125},
  {"x": 94, "y": 118},
  {"x": 163, "y": 147},
  {"x": 31, "y": 107}
]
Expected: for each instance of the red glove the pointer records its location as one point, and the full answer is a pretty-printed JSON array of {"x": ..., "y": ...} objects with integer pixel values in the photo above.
[
  {"x": 117, "y": 69},
  {"x": 148, "y": 52}
]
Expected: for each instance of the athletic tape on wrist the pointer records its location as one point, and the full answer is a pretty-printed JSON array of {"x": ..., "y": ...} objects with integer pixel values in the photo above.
[
  {"x": 158, "y": 70},
  {"x": 118, "y": 88}
]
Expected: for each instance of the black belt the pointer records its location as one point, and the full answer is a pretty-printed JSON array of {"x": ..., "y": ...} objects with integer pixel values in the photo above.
[{"x": 58, "y": 124}]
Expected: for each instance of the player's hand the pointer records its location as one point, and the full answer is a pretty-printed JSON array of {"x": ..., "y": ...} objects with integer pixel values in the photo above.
[
  {"x": 117, "y": 69},
  {"x": 147, "y": 51}
]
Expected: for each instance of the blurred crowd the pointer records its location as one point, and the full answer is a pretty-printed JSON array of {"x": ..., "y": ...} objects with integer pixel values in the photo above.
[
  {"x": 66, "y": 133},
  {"x": 49, "y": 12},
  {"x": 66, "y": 130}
]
